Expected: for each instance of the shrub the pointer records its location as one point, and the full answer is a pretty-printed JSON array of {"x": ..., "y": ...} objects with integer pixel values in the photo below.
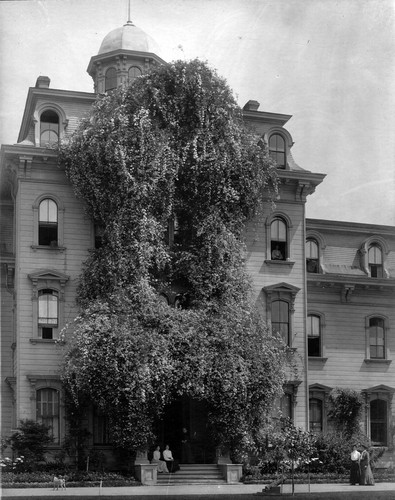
[{"x": 30, "y": 441}]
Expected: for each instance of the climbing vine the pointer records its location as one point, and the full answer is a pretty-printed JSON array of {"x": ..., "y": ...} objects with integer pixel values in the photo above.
[{"x": 171, "y": 150}]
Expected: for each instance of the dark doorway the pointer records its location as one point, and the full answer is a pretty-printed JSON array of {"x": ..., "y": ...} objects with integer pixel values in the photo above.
[{"x": 191, "y": 414}]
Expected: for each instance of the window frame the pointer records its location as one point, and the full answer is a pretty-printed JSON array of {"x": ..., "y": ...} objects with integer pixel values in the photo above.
[
  {"x": 319, "y": 336},
  {"x": 133, "y": 78},
  {"x": 320, "y": 392},
  {"x": 39, "y": 111},
  {"x": 280, "y": 331},
  {"x": 47, "y": 279},
  {"x": 113, "y": 79},
  {"x": 55, "y": 432},
  {"x": 309, "y": 241},
  {"x": 376, "y": 270},
  {"x": 374, "y": 241},
  {"x": 51, "y": 381},
  {"x": 47, "y": 325},
  {"x": 49, "y": 128},
  {"x": 285, "y": 245},
  {"x": 60, "y": 223},
  {"x": 386, "y": 351},
  {"x": 274, "y": 152},
  {"x": 47, "y": 225},
  {"x": 286, "y": 292}
]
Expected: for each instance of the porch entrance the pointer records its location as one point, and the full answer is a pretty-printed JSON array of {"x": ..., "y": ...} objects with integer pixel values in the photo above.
[{"x": 191, "y": 414}]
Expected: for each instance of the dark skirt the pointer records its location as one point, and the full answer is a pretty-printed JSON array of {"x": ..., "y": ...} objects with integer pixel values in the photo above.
[
  {"x": 366, "y": 475},
  {"x": 355, "y": 473},
  {"x": 172, "y": 465}
]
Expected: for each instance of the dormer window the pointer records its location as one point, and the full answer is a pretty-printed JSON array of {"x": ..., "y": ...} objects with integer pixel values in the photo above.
[
  {"x": 375, "y": 261},
  {"x": 111, "y": 79},
  {"x": 312, "y": 256},
  {"x": 49, "y": 128},
  {"x": 133, "y": 73},
  {"x": 277, "y": 150}
]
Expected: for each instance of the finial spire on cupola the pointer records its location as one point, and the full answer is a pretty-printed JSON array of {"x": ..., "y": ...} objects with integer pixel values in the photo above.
[{"x": 129, "y": 21}]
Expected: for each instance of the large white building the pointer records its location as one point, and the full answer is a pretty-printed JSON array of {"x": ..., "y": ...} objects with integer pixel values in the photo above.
[{"x": 327, "y": 286}]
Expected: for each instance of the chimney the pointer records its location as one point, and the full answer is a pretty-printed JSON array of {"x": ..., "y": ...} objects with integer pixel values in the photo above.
[
  {"x": 42, "y": 82},
  {"x": 251, "y": 106}
]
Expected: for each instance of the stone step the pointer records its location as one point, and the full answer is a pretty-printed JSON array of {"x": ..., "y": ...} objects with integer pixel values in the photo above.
[{"x": 192, "y": 474}]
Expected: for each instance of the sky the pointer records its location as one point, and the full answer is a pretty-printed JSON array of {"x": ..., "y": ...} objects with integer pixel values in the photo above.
[{"x": 328, "y": 63}]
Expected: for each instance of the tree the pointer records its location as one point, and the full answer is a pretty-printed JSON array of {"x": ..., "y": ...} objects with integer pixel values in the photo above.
[{"x": 171, "y": 148}]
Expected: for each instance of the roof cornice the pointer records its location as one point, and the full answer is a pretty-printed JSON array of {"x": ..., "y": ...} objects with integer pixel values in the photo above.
[
  {"x": 264, "y": 116},
  {"x": 354, "y": 227}
]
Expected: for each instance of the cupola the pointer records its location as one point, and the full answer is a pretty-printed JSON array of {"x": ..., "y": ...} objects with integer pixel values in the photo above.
[{"x": 125, "y": 53}]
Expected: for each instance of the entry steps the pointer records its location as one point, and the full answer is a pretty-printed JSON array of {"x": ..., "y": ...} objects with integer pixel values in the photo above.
[{"x": 193, "y": 474}]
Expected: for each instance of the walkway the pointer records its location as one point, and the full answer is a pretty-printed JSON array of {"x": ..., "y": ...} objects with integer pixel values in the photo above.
[{"x": 195, "y": 492}]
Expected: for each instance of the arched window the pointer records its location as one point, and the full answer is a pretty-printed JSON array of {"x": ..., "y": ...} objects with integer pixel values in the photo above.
[
  {"x": 314, "y": 335},
  {"x": 48, "y": 223},
  {"x": 312, "y": 256},
  {"x": 376, "y": 338},
  {"x": 375, "y": 261},
  {"x": 315, "y": 414},
  {"x": 49, "y": 128},
  {"x": 111, "y": 79},
  {"x": 280, "y": 319},
  {"x": 378, "y": 422},
  {"x": 277, "y": 149},
  {"x": 278, "y": 239},
  {"x": 47, "y": 411},
  {"x": 48, "y": 312},
  {"x": 133, "y": 73}
]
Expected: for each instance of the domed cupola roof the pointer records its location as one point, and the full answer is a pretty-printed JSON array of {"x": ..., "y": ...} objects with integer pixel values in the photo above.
[
  {"x": 124, "y": 54},
  {"x": 128, "y": 37}
]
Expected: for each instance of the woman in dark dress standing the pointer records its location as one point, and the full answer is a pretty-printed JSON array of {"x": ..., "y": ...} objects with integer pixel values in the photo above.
[
  {"x": 366, "y": 472},
  {"x": 186, "y": 450}
]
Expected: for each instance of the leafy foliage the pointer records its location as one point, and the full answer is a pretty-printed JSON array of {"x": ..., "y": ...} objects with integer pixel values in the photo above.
[
  {"x": 171, "y": 147},
  {"x": 346, "y": 409},
  {"x": 30, "y": 440}
]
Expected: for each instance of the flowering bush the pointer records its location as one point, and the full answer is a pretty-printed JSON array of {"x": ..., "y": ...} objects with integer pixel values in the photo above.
[{"x": 7, "y": 464}]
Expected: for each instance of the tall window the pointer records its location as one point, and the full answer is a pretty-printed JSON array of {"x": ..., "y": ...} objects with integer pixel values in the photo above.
[
  {"x": 312, "y": 257},
  {"x": 375, "y": 261},
  {"x": 315, "y": 414},
  {"x": 101, "y": 433},
  {"x": 378, "y": 422},
  {"x": 376, "y": 338},
  {"x": 286, "y": 406},
  {"x": 47, "y": 411},
  {"x": 47, "y": 313},
  {"x": 48, "y": 223},
  {"x": 111, "y": 79},
  {"x": 133, "y": 73},
  {"x": 278, "y": 239},
  {"x": 280, "y": 319},
  {"x": 277, "y": 149},
  {"x": 314, "y": 335},
  {"x": 49, "y": 128}
]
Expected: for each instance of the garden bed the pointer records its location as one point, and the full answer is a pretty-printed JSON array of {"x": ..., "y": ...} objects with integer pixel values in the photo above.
[
  {"x": 380, "y": 476},
  {"x": 74, "y": 479}
]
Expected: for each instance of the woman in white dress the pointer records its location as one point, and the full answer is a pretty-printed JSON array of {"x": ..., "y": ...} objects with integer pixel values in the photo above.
[
  {"x": 156, "y": 460},
  {"x": 171, "y": 464}
]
